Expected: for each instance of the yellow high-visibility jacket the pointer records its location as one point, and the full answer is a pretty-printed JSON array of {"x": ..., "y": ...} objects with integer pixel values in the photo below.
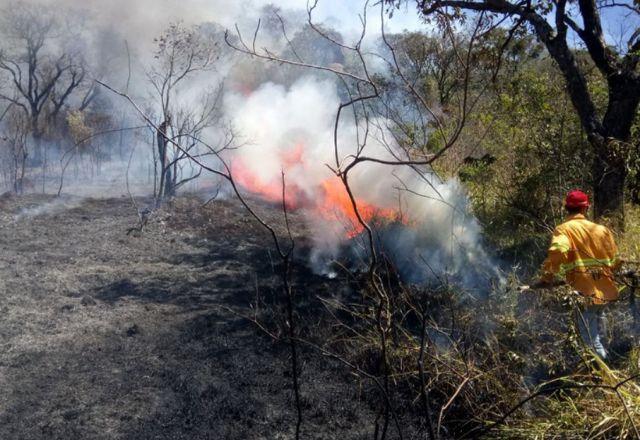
[{"x": 586, "y": 255}]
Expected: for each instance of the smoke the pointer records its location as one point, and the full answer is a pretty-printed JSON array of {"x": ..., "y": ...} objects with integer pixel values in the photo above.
[
  {"x": 55, "y": 206},
  {"x": 422, "y": 225},
  {"x": 276, "y": 122},
  {"x": 286, "y": 123},
  {"x": 139, "y": 21}
]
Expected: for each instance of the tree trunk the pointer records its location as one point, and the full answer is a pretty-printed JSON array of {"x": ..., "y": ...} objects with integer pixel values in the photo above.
[
  {"x": 38, "y": 156},
  {"x": 168, "y": 184},
  {"x": 609, "y": 175},
  {"x": 612, "y": 147},
  {"x": 634, "y": 190},
  {"x": 162, "y": 155}
]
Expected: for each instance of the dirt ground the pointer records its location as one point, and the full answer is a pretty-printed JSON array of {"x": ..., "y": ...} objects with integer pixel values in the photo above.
[{"x": 106, "y": 335}]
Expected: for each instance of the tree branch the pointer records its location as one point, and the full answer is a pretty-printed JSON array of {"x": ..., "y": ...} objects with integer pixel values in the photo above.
[
  {"x": 592, "y": 36},
  {"x": 557, "y": 47}
]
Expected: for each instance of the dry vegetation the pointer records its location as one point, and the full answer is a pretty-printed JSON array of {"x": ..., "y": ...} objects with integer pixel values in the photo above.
[{"x": 179, "y": 332}]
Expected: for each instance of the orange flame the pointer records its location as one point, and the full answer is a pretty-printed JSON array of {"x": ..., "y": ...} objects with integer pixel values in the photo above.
[
  {"x": 271, "y": 190},
  {"x": 336, "y": 204},
  {"x": 330, "y": 201}
]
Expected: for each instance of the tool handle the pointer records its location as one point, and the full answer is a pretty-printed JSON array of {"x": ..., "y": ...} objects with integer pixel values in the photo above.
[{"x": 539, "y": 286}]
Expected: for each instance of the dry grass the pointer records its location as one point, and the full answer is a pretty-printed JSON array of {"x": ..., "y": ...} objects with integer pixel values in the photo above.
[
  {"x": 629, "y": 242},
  {"x": 484, "y": 358}
]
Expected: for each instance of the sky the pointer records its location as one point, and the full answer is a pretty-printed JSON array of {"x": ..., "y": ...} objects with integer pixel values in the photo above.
[
  {"x": 144, "y": 19},
  {"x": 140, "y": 21},
  {"x": 343, "y": 15}
]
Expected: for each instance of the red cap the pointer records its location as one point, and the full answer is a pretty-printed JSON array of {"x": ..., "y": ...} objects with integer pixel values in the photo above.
[{"x": 576, "y": 199}]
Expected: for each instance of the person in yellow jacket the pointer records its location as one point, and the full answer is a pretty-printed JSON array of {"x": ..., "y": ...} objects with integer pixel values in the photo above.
[{"x": 585, "y": 255}]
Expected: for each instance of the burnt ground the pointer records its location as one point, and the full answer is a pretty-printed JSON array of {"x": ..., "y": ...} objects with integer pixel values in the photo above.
[{"x": 106, "y": 335}]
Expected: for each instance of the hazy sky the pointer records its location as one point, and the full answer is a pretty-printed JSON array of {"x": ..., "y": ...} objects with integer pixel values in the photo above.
[
  {"x": 140, "y": 21},
  {"x": 144, "y": 19}
]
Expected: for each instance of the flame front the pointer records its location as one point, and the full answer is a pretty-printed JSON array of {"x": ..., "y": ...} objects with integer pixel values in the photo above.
[
  {"x": 336, "y": 204},
  {"x": 329, "y": 200},
  {"x": 270, "y": 189}
]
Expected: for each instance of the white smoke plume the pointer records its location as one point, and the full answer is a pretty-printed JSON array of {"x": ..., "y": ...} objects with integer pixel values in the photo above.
[
  {"x": 427, "y": 230},
  {"x": 291, "y": 130}
]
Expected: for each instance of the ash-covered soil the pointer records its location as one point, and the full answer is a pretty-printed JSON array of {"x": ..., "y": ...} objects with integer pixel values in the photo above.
[{"x": 106, "y": 335}]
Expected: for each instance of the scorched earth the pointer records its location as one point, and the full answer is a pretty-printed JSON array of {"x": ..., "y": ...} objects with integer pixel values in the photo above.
[{"x": 109, "y": 335}]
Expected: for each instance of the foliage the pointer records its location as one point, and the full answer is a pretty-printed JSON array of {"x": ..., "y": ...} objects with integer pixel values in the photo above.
[
  {"x": 540, "y": 153},
  {"x": 629, "y": 243},
  {"x": 78, "y": 128}
]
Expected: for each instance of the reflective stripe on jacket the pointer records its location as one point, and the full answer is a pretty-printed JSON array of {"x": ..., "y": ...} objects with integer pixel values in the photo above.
[{"x": 585, "y": 254}]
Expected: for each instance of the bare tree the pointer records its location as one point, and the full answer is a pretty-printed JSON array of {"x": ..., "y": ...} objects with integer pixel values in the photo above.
[
  {"x": 374, "y": 116},
  {"x": 14, "y": 138},
  {"x": 188, "y": 129},
  {"x": 283, "y": 244},
  {"x": 181, "y": 53},
  {"x": 41, "y": 77}
]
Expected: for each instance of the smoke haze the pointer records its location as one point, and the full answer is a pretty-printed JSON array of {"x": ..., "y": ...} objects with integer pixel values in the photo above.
[
  {"x": 285, "y": 125},
  {"x": 437, "y": 237}
]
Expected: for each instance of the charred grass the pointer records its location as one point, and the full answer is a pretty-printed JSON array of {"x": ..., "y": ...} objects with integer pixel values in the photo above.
[
  {"x": 106, "y": 335},
  {"x": 177, "y": 332}
]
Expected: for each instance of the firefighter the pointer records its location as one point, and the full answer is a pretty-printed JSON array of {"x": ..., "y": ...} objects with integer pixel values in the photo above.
[{"x": 585, "y": 255}]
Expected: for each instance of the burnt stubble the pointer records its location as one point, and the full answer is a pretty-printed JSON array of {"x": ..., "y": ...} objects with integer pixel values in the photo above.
[{"x": 110, "y": 336}]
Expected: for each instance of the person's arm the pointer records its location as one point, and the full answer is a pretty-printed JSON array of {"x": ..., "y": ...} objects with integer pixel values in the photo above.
[{"x": 556, "y": 256}]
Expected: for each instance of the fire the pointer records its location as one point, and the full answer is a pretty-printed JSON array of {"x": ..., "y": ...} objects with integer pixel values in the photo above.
[
  {"x": 271, "y": 189},
  {"x": 329, "y": 201},
  {"x": 336, "y": 204},
  {"x": 243, "y": 88}
]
